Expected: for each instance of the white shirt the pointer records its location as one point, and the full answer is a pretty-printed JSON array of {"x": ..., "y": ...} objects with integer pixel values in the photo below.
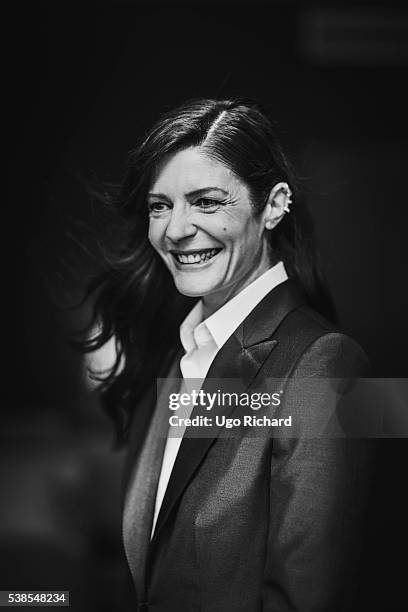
[{"x": 201, "y": 341}]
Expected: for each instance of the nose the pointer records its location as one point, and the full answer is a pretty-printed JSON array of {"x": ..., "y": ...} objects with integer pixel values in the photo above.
[{"x": 179, "y": 225}]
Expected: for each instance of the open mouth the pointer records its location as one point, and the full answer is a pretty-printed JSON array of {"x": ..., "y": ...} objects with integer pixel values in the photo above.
[{"x": 195, "y": 257}]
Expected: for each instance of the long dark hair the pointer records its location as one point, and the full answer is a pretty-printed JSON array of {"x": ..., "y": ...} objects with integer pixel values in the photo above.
[{"x": 134, "y": 299}]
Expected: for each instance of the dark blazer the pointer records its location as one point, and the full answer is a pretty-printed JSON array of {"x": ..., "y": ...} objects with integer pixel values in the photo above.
[{"x": 251, "y": 523}]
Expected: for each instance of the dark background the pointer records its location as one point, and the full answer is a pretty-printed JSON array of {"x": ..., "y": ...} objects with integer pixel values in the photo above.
[{"x": 85, "y": 83}]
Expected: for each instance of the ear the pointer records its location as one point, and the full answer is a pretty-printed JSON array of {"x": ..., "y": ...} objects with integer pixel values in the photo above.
[{"x": 277, "y": 205}]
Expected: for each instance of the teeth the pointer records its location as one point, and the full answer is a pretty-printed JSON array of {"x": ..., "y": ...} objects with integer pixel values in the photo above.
[{"x": 198, "y": 257}]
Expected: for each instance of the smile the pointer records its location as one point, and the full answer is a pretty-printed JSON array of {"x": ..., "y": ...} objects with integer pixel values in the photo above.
[{"x": 195, "y": 257}]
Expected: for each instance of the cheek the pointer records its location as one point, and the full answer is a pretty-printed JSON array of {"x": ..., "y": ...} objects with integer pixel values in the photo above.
[
  {"x": 233, "y": 228},
  {"x": 245, "y": 239},
  {"x": 155, "y": 233}
]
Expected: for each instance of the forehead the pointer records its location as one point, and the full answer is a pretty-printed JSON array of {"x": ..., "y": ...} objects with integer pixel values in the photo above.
[{"x": 193, "y": 169}]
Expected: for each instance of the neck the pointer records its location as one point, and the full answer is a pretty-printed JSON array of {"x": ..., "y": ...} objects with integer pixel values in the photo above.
[{"x": 214, "y": 301}]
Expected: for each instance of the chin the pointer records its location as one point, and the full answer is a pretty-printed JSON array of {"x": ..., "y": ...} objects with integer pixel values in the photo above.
[{"x": 190, "y": 289}]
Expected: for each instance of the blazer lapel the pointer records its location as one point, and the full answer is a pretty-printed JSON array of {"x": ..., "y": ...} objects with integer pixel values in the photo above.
[{"x": 241, "y": 357}]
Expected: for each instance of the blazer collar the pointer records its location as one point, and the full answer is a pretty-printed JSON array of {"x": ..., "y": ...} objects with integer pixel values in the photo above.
[
  {"x": 241, "y": 357},
  {"x": 266, "y": 317}
]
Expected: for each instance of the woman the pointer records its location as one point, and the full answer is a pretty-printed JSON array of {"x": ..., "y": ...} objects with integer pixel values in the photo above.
[{"x": 215, "y": 278}]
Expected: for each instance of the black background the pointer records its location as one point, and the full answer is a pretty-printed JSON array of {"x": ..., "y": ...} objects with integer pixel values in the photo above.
[{"x": 85, "y": 82}]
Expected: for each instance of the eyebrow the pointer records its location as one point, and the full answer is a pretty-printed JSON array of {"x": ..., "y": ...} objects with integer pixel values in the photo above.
[{"x": 193, "y": 193}]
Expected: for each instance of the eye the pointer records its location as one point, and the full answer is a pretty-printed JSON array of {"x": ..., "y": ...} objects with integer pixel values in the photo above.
[
  {"x": 207, "y": 203},
  {"x": 156, "y": 208}
]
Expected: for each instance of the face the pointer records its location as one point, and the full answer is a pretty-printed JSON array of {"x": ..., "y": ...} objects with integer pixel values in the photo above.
[{"x": 202, "y": 224}]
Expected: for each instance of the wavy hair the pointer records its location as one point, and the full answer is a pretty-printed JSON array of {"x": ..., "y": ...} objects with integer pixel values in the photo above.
[{"x": 134, "y": 298}]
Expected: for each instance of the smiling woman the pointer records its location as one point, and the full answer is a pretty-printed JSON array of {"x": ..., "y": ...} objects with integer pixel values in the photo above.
[
  {"x": 202, "y": 224},
  {"x": 214, "y": 275}
]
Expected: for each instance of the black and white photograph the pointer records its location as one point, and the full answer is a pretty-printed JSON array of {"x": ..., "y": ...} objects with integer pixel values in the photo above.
[{"x": 206, "y": 402}]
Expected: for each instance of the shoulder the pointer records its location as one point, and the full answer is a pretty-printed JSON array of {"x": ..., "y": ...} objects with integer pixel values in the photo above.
[{"x": 319, "y": 347}]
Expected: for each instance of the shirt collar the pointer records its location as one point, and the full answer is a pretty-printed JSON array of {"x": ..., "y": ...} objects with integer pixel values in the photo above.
[
  {"x": 219, "y": 326},
  {"x": 190, "y": 323}
]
